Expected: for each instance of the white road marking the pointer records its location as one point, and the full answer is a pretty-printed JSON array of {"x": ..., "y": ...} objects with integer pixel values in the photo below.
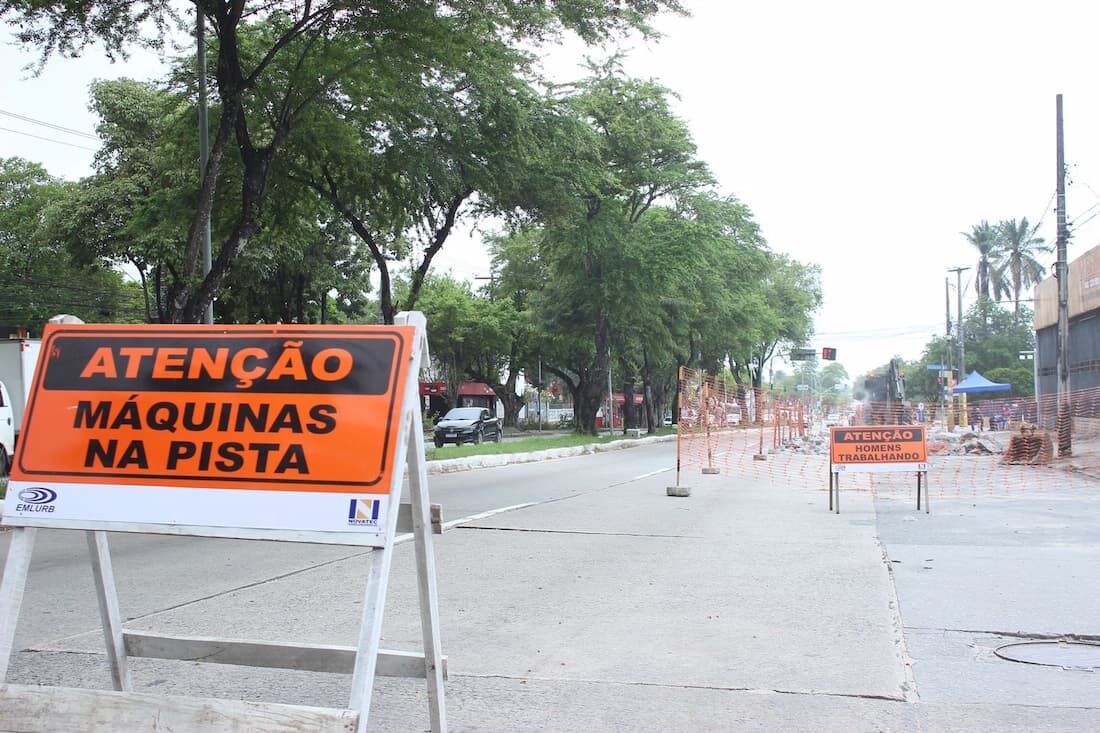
[{"x": 472, "y": 517}]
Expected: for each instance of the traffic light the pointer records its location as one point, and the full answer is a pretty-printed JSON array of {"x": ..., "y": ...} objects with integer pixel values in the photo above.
[{"x": 828, "y": 353}]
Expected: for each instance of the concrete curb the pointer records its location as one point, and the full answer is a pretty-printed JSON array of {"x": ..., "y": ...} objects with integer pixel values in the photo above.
[{"x": 452, "y": 465}]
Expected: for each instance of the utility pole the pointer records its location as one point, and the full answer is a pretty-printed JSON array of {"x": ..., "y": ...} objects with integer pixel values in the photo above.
[
  {"x": 204, "y": 146},
  {"x": 947, "y": 373},
  {"x": 611, "y": 396},
  {"x": 960, "y": 334},
  {"x": 1061, "y": 268}
]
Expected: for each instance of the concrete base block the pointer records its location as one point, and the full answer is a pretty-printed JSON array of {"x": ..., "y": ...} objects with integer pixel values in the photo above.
[
  {"x": 678, "y": 491},
  {"x": 711, "y": 470},
  {"x": 759, "y": 457}
]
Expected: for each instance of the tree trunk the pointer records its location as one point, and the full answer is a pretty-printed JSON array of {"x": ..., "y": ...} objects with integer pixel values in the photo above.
[
  {"x": 647, "y": 394},
  {"x": 630, "y": 419},
  {"x": 512, "y": 405},
  {"x": 592, "y": 383}
]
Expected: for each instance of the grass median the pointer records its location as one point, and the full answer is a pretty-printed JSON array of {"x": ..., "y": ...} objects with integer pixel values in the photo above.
[{"x": 527, "y": 444}]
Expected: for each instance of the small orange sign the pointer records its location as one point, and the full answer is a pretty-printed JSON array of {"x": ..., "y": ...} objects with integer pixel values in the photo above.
[
  {"x": 879, "y": 447},
  {"x": 273, "y": 408}
]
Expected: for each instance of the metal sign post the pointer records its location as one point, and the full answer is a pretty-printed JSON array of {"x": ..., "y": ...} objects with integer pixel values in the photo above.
[{"x": 878, "y": 449}]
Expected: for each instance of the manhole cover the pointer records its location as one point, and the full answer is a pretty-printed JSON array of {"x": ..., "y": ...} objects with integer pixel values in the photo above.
[{"x": 1065, "y": 654}]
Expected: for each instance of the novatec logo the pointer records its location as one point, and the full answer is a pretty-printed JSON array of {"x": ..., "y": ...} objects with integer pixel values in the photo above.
[
  {"x": 364, "y": 512},
  {"x": 36, "y": 499}
]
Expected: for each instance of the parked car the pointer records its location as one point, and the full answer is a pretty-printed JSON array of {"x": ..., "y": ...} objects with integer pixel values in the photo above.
[
  {"x": 7, "y": 431},
  {"x": 467, "y": 425}
]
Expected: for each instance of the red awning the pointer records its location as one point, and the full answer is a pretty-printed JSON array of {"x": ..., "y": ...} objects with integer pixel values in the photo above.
[
  {"x": 475, "y": 389},
  {"x": 466, "y": 389}
]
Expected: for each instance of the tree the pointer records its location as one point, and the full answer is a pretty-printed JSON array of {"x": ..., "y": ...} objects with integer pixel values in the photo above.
[
  {"x": 1018, "y": 267},
  {"x": 713, "y": 263},
  {"x": 133, "y": 210},
  {"x": 453, "y": 316},
  {"x": 479, "y": 337},
  {"x": 276, "y": 61},
  {"x": 984, "y": 238},
  {"x": 638, "y": 153},
  {"x": 39, "y": 277},
  {"x": 832, "y": 376},
  {"x": 455, "y": 143},
  {"x": 994, "y": 339},
  {"x": 792, "y": 292}
]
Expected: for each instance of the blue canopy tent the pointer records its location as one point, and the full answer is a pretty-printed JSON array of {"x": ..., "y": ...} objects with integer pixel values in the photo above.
[{"x": 975, "y": 382}]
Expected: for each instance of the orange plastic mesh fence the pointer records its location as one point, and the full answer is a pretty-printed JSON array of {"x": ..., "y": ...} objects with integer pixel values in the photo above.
[{"x": 994, "y": 445}]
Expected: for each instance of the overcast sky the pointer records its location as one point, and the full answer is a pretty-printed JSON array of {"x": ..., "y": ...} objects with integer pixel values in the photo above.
[{"x": 864, "y": 136}]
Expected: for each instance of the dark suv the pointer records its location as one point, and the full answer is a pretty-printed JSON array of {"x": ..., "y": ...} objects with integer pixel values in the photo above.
[{"x": 467, "y": 425}]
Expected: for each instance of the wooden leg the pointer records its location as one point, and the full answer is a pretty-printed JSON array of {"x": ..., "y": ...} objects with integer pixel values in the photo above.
[
  {"x": 370, "y": 628},
  {"x": 109, "y": 615},
  {"x": 426, "y": 582},
  {"x": 12, "y": 586}
]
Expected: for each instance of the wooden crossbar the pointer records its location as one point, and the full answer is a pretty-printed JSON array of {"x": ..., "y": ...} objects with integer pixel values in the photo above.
[
  {"x": 306, "y": 657},
  {"x": 33, "y": 708}
]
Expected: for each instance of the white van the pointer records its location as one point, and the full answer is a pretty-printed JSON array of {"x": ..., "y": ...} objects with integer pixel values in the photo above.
[{"x": 7, "y": 431}]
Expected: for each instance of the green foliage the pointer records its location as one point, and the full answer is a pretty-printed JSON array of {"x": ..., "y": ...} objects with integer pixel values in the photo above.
[
  {"x": 983, "y": 237},
  {"x": 832, "y": 375},
  {"x": 39, "y": 278},
  {"x": 1007, "y": 259},
  {"x": 279, "y": 66},
  {"x": 1017, "y": 265},
  {"x": 790, "y": 292},
  {"x": 994, "y": 340},
  {"x": 1022, "y": 379}
]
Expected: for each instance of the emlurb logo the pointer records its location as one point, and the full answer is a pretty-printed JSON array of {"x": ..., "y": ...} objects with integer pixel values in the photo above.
[
  {"x": 37, "y": 495},
  {"x": 36, "y": 499},
  {"x": 364, "y": 512}
]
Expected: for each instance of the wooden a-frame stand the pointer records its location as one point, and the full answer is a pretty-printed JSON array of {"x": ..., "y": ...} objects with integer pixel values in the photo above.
[{"x": 33, "y": 708}]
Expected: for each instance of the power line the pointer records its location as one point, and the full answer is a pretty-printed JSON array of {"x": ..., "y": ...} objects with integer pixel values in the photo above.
[
  {"x": 872, "y": 333},
  {"x": 47, "y": 139},
  {"x": 50, "y": 125},
  {"x": 1077, "y": 225},
  {"x": 1046, "y": 210}
]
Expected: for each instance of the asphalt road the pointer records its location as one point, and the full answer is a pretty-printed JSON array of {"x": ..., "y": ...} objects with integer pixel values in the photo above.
[
  {"x": 604, "y": 605},
  {"x": 156, "y": 573}
]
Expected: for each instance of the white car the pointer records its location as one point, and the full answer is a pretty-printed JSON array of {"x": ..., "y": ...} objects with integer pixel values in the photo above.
[{"x": 7, "y": 431}]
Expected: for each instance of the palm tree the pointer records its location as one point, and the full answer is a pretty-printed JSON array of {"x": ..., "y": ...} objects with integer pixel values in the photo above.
[
  {"x": 984, "y": 237},
  {"x": 1017, "y": 249}
]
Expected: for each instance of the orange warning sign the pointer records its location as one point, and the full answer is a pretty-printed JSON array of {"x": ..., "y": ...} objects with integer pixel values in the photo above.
[
  {"x": 275, "y": 408},
  {"x": 891, "y": 447}
]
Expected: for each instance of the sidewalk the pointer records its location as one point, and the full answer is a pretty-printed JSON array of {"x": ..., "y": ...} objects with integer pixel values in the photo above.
[{"x": 744, "y": 607}]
